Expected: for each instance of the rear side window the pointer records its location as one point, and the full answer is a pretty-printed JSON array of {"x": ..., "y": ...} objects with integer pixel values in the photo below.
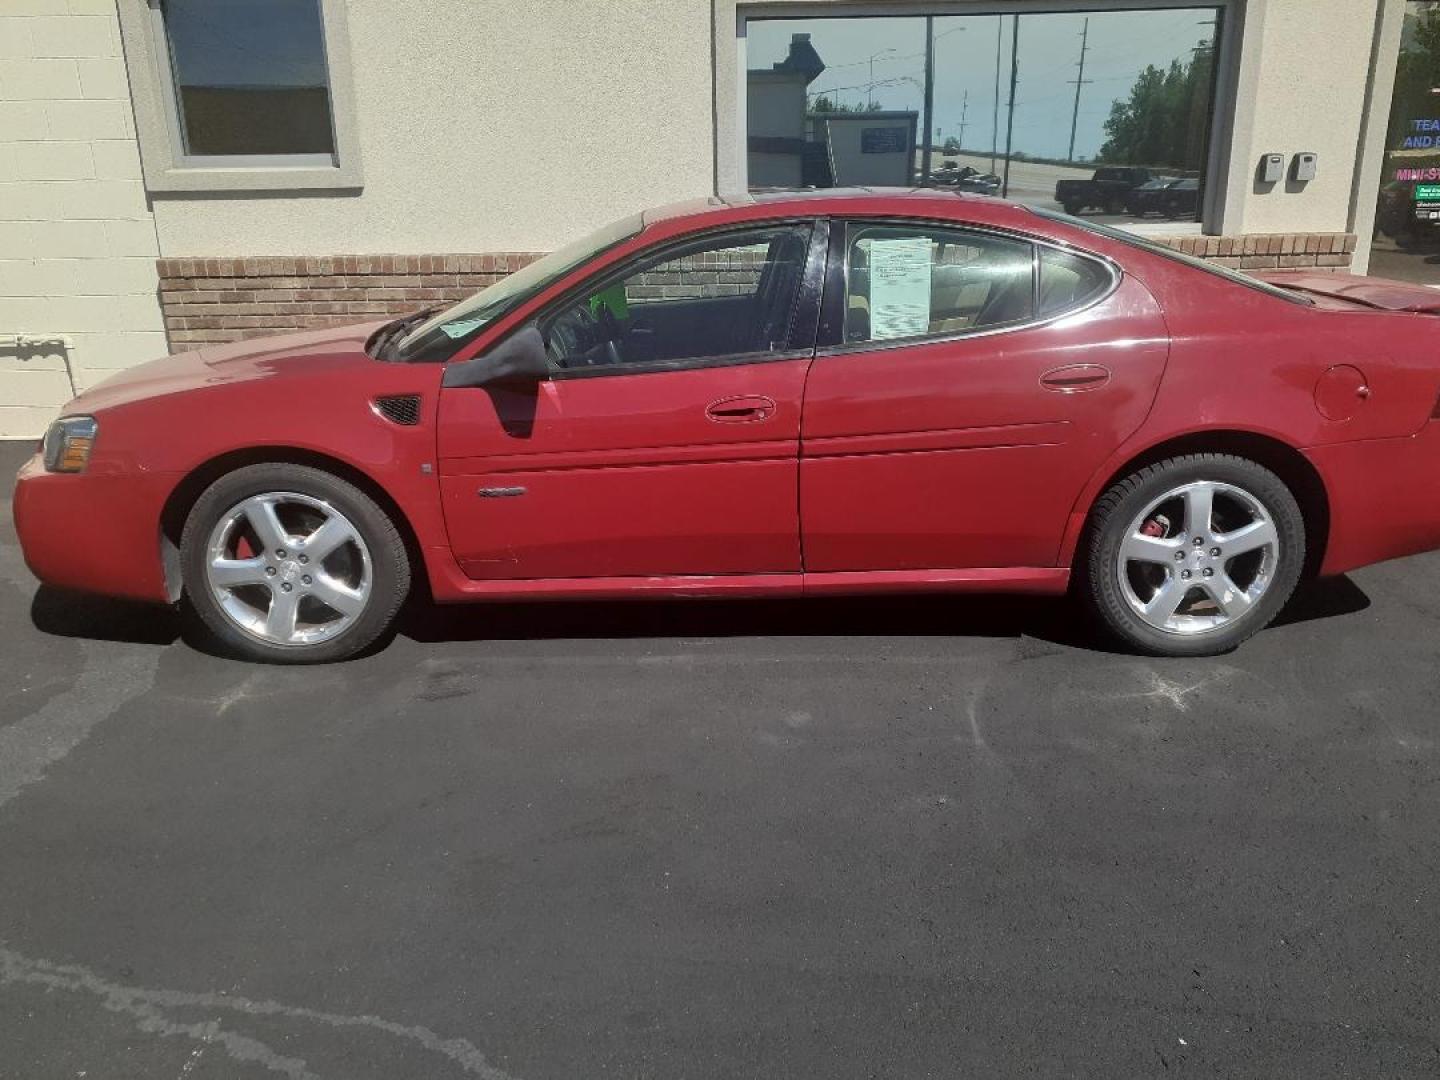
[
  {"x": 906, "y": 281},
  {"x": 1141, "y": 243},
  {"x": 1069, "y": 281}
]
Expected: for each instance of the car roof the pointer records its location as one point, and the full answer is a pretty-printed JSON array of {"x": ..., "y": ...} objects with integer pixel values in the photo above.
[{"x": 942, "y": 203}]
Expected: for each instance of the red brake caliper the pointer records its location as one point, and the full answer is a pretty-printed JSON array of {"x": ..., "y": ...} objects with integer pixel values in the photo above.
[
  {"x": 1157, "y": 526},
  {"x": 243, "y": 550}
]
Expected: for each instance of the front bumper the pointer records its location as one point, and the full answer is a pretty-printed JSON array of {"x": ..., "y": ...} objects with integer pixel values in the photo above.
[{"x": 96, "y": 531}]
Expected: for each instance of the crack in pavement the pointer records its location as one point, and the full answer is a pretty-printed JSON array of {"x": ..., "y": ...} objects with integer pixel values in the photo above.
[
  {"x": 32, "y": 745},
  {"x": 110, "y": 678},
  {"x": 149, "y": 1009}
]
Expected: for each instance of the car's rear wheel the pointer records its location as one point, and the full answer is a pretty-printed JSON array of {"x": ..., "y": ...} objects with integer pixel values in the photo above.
[
  {"x": 290, "y": 564},
  {"x": 1191, "y": 556}
]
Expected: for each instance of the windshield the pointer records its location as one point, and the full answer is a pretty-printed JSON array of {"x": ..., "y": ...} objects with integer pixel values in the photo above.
[
  {"x": 1136, "y": 241},
  {"x": 438, "y": 337}
]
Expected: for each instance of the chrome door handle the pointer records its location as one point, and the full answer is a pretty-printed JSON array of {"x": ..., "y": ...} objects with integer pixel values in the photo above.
[{"x": 1073, "y": 378}]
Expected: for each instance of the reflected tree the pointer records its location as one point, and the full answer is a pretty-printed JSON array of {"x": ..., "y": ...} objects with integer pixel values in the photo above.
[{"x": 1165, "y": 120}]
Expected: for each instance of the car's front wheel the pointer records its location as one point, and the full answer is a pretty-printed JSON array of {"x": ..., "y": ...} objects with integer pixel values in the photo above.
[
  {"x": 290, "y": 564},
  {"x": 1191, "y": 556}
]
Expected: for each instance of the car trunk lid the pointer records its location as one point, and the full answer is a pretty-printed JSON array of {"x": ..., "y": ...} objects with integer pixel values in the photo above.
[{"x": 1370, "y": 292}]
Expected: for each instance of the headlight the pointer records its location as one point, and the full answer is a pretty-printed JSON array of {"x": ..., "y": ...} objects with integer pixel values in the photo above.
[{"x": 68, "y": 443}]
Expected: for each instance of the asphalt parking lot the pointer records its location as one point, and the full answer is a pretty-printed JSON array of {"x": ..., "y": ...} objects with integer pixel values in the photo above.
[{"x": 871, "y": 838}]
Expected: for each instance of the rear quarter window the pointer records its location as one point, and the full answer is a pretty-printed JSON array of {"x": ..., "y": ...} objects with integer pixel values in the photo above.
[{"x": 1069, "y": 281}]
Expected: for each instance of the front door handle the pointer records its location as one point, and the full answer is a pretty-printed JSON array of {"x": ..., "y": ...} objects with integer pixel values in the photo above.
[{"x": 748, "y": 409}]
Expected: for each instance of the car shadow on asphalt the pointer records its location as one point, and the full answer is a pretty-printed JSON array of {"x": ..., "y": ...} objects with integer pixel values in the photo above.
[
  {"x": 1055, "y": 620},
  {"x": 1058, "y": 620}
]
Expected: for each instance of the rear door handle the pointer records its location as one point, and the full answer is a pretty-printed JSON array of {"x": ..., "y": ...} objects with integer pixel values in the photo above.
[
  {"x": 747, "y": 409},
  {"x": 1073, "y": 378}
]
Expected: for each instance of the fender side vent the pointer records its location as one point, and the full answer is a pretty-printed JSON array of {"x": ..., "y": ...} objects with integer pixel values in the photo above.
[{"x": 403, "y": 409}]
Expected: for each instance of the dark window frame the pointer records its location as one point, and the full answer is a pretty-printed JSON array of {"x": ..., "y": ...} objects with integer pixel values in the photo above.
[{"x": 1223, "y": 103}]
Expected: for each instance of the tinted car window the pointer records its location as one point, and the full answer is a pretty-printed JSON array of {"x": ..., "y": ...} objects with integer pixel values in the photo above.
[
  {"x": 729, "y": 295},
  {"x": 917, "y": 281},
  {"x": 1069, "y": 281}
]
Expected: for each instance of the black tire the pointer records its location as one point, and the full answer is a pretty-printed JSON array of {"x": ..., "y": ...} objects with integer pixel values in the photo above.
[
  {"x": 1073, "y": 208},
  {"x": 1099, "y": 580},
  {"x": 389, "y": 562}
]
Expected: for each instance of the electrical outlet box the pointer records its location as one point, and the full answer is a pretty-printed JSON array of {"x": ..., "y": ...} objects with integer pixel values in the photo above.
[
  {"x": 1272, "y": 168},
  {"x": 1303, "y": 167}
]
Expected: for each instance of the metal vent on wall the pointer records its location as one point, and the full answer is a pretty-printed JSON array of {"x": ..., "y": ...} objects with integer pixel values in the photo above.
[{"x": 401, "y": 409}]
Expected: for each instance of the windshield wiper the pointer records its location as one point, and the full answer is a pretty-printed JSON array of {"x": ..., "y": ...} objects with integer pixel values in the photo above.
[{"x": 391, "y": 332}]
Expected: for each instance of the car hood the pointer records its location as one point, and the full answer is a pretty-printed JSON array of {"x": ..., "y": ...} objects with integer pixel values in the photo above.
[
  {"x": 311, "y": 352},
  {"x": 1371, "y": 292}
]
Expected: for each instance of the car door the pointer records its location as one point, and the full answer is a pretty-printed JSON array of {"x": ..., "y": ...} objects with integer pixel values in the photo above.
[
  {"x": 966, "y": 386},
  {"x": 665, "y": 441}
]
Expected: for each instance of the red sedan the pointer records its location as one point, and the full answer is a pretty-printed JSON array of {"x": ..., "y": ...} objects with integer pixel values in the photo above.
[{"x": 834, "y": 392}]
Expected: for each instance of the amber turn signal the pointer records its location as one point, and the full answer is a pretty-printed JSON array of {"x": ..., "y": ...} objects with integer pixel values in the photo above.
[{"x": 68, "y": 443}]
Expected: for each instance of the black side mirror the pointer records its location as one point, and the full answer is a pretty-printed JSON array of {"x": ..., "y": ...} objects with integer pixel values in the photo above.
[{"x": 519, "y": 360}]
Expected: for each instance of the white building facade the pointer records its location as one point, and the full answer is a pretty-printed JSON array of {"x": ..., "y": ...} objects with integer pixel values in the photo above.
[{"x": 172, "y": 174}]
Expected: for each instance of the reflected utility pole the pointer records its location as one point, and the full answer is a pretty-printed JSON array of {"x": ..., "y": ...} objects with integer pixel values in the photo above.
[
  {"x": 1079, "y": 81},
  {"x": 995, "y": 126},
  {"x": 929, "y": 98},
  {"x": 1014, "y": 78}
]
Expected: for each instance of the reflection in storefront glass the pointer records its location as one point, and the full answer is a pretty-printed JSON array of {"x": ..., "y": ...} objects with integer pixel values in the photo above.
[
  {"x": 1105, "y": 114},
  {"x": 1407, "y": 214}
]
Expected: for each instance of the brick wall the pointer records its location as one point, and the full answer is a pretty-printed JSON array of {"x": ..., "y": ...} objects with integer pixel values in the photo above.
[
  {"x": 216, "y": 300},
  {"x": 77, "y": 242},
  {"x": 1271, "y": 251}
]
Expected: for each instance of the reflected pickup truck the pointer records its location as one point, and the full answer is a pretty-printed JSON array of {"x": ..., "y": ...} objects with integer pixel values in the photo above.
[{"x": 1106, "y": 190}]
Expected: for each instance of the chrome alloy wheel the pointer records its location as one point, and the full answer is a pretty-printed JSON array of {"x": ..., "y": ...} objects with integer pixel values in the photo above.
[
  {"x": 1198, "y": 558},
  {"x": 287, "y": 568}
]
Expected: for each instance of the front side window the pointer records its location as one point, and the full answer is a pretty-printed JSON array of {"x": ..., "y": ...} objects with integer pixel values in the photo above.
[
  {"x": 723, "y": 296},
  {"x": 915, "y": 282},
  {"x": 249, "y": 78},
  {"x": 439, "y": 336}
]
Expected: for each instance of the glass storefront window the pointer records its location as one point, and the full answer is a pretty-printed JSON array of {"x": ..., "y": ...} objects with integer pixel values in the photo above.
[
  {"x": 1104, "y": 114},
  {"x": 1407, "y": 214}
]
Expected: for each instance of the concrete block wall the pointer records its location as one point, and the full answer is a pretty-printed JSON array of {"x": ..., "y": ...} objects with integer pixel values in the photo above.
[{"x": 77, "y": 240}]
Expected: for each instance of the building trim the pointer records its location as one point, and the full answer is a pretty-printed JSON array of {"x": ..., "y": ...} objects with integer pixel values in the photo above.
[
  {"x": 1374, "y": 125},
  {"x": 150, "y": 90}
]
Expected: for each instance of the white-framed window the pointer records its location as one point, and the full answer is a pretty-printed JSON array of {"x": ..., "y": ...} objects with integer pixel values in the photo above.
[{"x": 241, "y": 94}]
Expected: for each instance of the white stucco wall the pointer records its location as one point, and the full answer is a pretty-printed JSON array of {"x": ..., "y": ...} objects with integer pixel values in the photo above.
[
  {"x": 492, "y": 127},
  {"x": 77, "y": 243},
  {"x": 1304, "y": 71}
]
